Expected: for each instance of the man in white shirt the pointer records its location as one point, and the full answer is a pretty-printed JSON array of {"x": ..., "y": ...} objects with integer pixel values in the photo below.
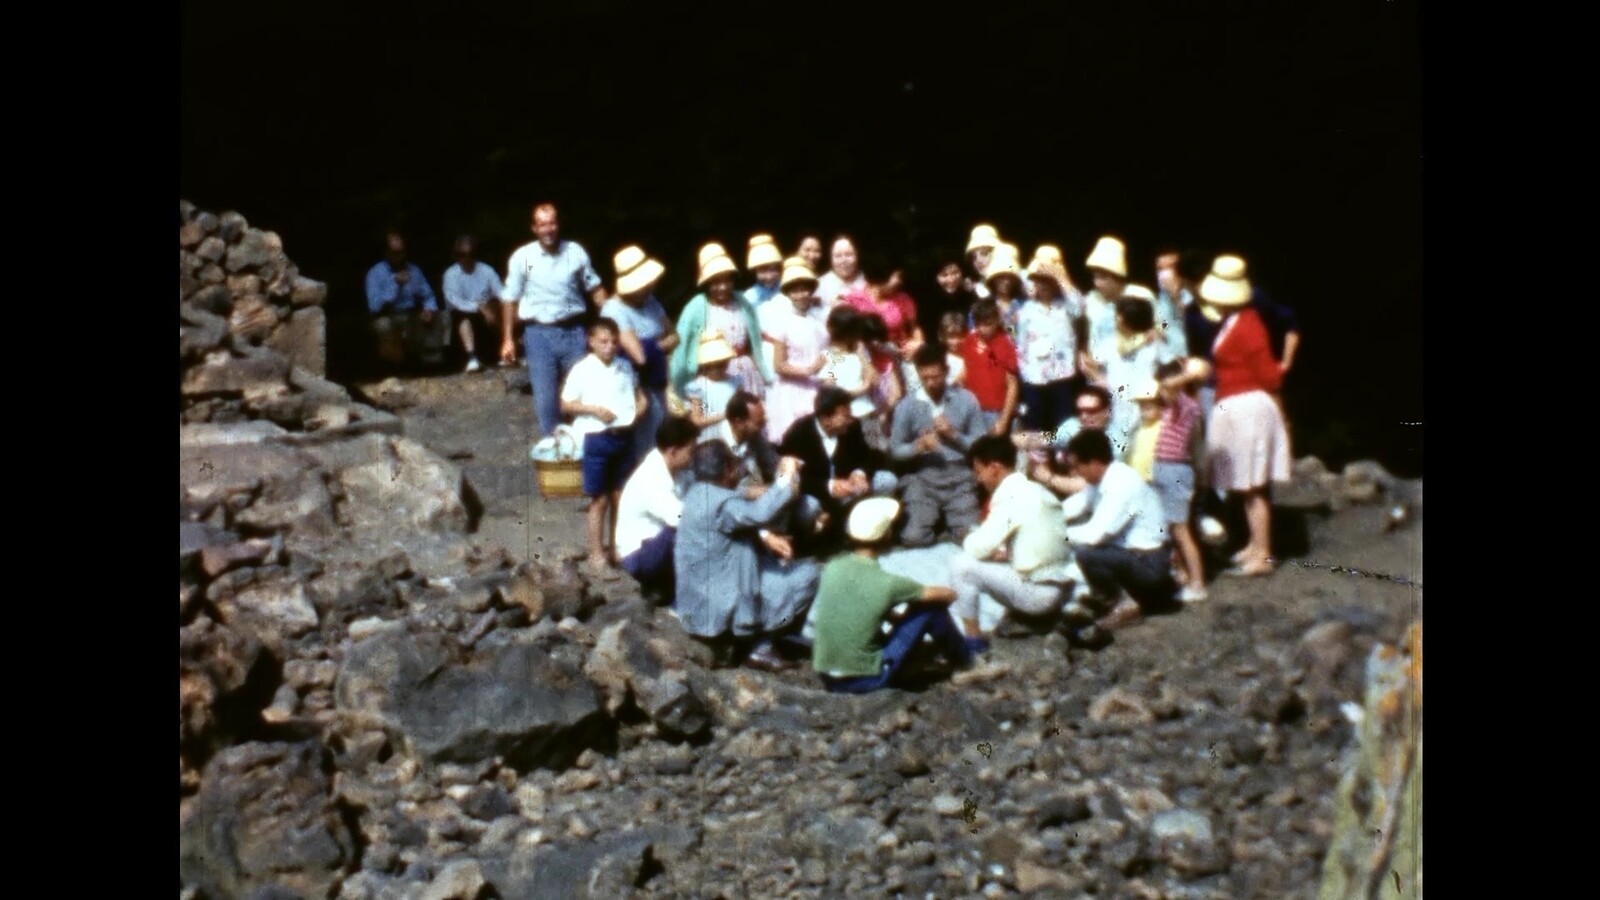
[
  {"x": 1124, "y": 545},
  {"x": 472, "y": 289},
  {"x": 652, "y": 505},
  {"x": 1018, "y": 554},
  {"x": 549, "y": 285}
]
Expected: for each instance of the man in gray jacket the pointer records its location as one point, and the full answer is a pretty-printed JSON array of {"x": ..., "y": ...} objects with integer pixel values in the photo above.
[
  {"x": 736, "y": 577},
  {"x": 931, "y": 433}
]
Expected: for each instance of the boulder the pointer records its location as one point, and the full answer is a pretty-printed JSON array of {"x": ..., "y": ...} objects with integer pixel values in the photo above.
[
  {"x": 213, "y": 298},
  {"x": 265, "y": 487},
  {"x": 200, "y": 333},
  {"x": 1364, "y": 481},
  {"x": 517, "y": 701},
  {"x": 252, "y": 318},
  {"x": 302, "y": 339},
  {"x": 399, "y": 483},
  {"x": 308, "y": 292},
  {"x": 626, "y": 665},
  {"x": 264, "y": 821},
  {"x": 223, "y": 374},
  {"x": 211, "y": 249},
  {"x": 275, "y": 612},
  {"x": 1183, "y": 839},
  {"x": 232, "y": 226}
]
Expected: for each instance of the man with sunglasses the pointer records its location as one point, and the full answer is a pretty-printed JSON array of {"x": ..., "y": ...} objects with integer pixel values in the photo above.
[{"x": 472, "y": 289}]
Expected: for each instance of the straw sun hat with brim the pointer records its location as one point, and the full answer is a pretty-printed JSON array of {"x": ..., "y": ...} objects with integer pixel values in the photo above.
[
  {"x": 1043, "y": 267},
  {"x": 1109, "y": 255},
  {"x": 713, "y": 264},
  {"x": 983, "y": 236},
  {"x": 635, "y": 270},
  {"x": 1226, "y": 285},
  {"x": 870, "y": 519},
  {"x": 763, "y": 252},
  {"x": 1002, "y": 264},
  {"x": 714, "y": 348},
  {"x": 795, "y": 270}
]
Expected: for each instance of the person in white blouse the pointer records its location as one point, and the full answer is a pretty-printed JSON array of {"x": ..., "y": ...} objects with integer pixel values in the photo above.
[
  {"x": 1120, "y": 541},
  {"x": 651, "y": 506}
]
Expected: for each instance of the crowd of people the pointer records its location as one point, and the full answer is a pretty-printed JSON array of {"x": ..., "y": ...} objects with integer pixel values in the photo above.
[{"x": 821, "y": 461}]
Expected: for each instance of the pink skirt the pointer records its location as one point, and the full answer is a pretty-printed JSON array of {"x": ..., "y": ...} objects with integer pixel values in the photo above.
[{"x": 1247, "y": 443}]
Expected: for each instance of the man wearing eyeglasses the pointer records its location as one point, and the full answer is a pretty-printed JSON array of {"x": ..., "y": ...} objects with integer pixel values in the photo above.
[{"x": 472, "y": 289}]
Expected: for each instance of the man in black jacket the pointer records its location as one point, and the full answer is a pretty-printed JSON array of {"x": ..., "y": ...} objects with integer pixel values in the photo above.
[{"x": 837, "y": 466}]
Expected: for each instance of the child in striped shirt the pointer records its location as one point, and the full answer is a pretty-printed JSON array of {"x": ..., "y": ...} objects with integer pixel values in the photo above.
[{"x": 1181, "y": 432}]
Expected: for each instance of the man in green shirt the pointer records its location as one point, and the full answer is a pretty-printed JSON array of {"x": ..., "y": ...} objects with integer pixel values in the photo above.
[{"x": 856, "y": 595}]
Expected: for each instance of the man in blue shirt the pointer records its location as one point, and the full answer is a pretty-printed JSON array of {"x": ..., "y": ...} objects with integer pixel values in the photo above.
[
  {"x": 405, "y": 313},
  {"x": 547, "y": 284}
]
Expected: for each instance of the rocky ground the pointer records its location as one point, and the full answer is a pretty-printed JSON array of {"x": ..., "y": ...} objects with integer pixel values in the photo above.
[{"x": 394, "y": 683}]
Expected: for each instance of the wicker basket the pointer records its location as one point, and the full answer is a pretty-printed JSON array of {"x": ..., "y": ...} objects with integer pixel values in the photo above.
[{"x": 559, "y": 479}]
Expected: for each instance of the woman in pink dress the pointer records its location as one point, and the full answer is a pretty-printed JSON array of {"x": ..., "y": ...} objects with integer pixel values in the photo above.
[
  {"x": 799, "y": 337},
  {"x": 884, "y": 296}
]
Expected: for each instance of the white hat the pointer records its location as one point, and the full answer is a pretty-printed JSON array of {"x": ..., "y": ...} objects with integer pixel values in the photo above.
[
  {"x": 983, "y": 236},
  {"x": 635, "y": 270},
  {"x": 711, "y": 251},
  {"x": 795, "y": 269},
  {"x": 763, "y": 251},
  {"x": 1109, "y": 254},
  {"x": 871, "y": 518},
  {"x": 1226, "y": 285},
  {"x": 714, "y": 263},
  {"x": 714, "y": 348},
  {"x": 1002, "y": 263}
]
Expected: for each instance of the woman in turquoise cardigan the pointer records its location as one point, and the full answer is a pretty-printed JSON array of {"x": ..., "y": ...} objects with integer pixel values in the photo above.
[{"x": 717, "y": 307}]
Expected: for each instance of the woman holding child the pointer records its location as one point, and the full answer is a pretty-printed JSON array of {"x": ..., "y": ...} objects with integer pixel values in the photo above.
[{"x": 719, "y": 308}]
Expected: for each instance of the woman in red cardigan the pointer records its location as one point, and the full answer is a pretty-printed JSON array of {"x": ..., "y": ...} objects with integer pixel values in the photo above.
[{"x": 1248, "y": 443}]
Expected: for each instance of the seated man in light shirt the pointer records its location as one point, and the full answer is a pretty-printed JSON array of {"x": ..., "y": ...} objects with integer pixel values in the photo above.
[
  {"x": 652, "y": 505},
  {"x": 1124, "y": 546},
  {"x": 1018, "y": 554}
]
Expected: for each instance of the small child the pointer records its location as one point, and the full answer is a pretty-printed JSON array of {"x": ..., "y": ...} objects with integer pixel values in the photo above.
[
  {"x": 1182, "y": 431},
  {"x": 855, "y": 597},
  {"x": 846, "y": 364},
  {"x": 953, "y": 330},
  {"x": 708, "y": 394},
  {"x": 990, "y": 361},
  {"x": 603, "y": 396},
  {"x": 1127, "y": 358},
  {"x": 1141, "y": 453}
]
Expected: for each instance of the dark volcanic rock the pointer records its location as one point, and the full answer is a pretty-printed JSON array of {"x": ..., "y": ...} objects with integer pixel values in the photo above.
[
  {"x": 264, "y": 819},
  {"x": 626, "y": 663},
  {"x": 516, "y": 701}
]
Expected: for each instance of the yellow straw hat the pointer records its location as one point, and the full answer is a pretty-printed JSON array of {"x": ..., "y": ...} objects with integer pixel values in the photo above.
[
  {"x": 1110, "y": 255},
  {"x": 714, "y": 261},
  {"x": 1226, "y": 285},
  {"x": 795, "y": 270},
  {"x": 983, "y": 236},
  {"x": 714, "y": 348},
  {"x": 763, "y": 251},
  {"x": 635, "y": 270}
]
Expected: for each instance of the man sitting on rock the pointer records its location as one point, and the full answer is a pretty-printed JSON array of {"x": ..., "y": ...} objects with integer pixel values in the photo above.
[
  {"x": 651, "y": 506},
  {"x": 1018, "y": 554},
  {"x": 744, "y": 430},
  {"x": 856, "y": 596},
  {"x": 932, "y": 431},
  {"x": 737, "y": 578},
  {"x": 1124, "y": 547},
  {"x": 406, "y": 321}
]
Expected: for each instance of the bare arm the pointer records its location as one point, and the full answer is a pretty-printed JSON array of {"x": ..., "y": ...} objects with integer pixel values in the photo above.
[
  {"x": 630, "y": 345},
  {"x": 935, "y": 594},
  {"x": 508, "y": 347},
  {"x": 1013, "y": 392},
  {"x": 1291, "y": 345}
]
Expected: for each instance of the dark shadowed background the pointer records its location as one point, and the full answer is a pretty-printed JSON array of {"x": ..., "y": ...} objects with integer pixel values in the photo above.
[{"x": 1287, "y": 132}]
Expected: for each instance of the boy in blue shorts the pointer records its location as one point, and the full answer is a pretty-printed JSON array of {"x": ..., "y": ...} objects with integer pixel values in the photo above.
[{"x": 602, "y": 395}]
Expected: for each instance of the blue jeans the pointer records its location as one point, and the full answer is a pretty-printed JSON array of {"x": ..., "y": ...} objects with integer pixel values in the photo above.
[
  {"x": 1145, "y": 574},
  {"x": 921, "y": 619},
  {"x": 552, "y": 352},
  {"x": 644, "y": 430}
]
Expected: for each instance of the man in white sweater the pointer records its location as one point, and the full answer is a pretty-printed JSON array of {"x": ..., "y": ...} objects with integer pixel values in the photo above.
[
  {"x": 1124, "y": 546},
  {"x": 1018, "y": 554}
]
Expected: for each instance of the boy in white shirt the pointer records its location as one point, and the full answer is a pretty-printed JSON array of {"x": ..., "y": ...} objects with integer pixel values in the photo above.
[{"x": 603, "y": 396}]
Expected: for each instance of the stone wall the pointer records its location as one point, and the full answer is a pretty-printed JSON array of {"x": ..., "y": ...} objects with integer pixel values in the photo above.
[{"x": 237, "y": 289}]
